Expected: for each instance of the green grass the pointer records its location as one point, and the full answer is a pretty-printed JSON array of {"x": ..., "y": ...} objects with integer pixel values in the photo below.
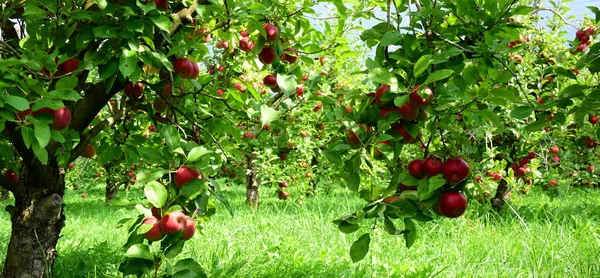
[{"x": 548, "y": 238}]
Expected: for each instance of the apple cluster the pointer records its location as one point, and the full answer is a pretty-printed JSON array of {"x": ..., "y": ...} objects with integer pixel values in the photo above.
[
  {"x": 61, "y": 118},
  {"x": 451, "y": 203},
  {"x": 168, "y": 224},
  {"x": 584, "y": 39}
]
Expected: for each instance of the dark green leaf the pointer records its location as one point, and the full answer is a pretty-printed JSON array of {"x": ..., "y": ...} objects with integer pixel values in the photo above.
[{"x": 360, "y": 248}]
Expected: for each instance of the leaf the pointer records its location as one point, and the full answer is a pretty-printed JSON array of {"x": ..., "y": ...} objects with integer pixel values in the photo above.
[
  {"x": 139, "y": 251},
  {"x": 128, "y": 62},
  {"x": 156, "y": 193},
  {"x": 188, "y": 268},
  {"x": 198, "y": 152},
  {"x": 149, "y": 154},
  {"x": 217, "y": 192},
  {"x": 421, "y": 65},
  {"x": 390, "y": 38},
  {"x": 347, "y": 227},
  {"x": 287, "y": 84},
  {"x": 105, "y": 31},
  {"x": 18, "y": 103},
  {"x": 354, "y": 181},
  {"x": 268, "y": 115},
  {"x": 174, "y": 249},
  {"x": 436, "y": 182},
  {"x": 171, "y": 136},
  {"x": 42, "y": 133},
  {"x": 411, "y": 236},
  {"x": 521, "y": 112},
  {"x": 438, "y": 75},
  {"x": 360, "y": 248},
  {"x": 28, "y": 136},
  {"x": 66, "y": 83},
  {"x": 40, "y": 153},
  {"x": 380, "y": 75},
  {"x": 162, "y": 22},
  {"x": 69, "y": 95}
]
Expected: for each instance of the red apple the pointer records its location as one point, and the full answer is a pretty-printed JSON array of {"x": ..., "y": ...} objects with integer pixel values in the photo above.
[
  {"x": 161, "y": 4},
  {"x": 283, "y": 184},
  {"x": 432, "y": 166},
  {"x": 289, "y": 55},
  {"x": 61, "y": 118},
  {"x": 421, "y": 97},
  {"x": 10, "y": 175},
  {"x": 531, "y": 155},
  {"x": 68, "y": 66},
  {"x": 271, "y": 81},
  {"x": 591, "y": 168},
  {"x": 245, "y": 44},
  {"x": 455, "y": 170},
  {"x": 283, "y": 195},
  {"x": 248, "y": 135},
  {"x": 408, "y": 112},
  {"x": 554, "y": 149},
  {"x": 452, "y": 204},
  {"x": 185, "y": 174},
  {"x": 556, "y": 159},
  {"x": 353, "y": 139},
  {"x": 89, "y": 151},
  {"x": 84, "y": 195},
  {"x": 154, "y": 233},
  {"x": 593, "y": 120},
  {"x": 317, "y": 107},
  {"x": 189, "y": 230},
  {"x": 272, "y": 32},
  {"x": 416, "y": 168},
  {"x": 173, "y": 222},
  {"x": 267, "y": 55},
  {"x": 406, "y": 137}
]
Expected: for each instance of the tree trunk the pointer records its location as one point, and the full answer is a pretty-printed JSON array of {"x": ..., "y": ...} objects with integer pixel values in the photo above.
[
  {"x": 502, "y": 193},
  {"x": 314, "y": 164},
  {"x": 4, "y": 194},
  {"x": 252, "y": 181},
  {"x": 37, "y": 219},
  {"x": 112, "y": 187}
]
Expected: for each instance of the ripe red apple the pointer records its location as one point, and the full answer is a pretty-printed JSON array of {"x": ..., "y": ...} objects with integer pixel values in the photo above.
[
  {"x": 61, "y": 118},
  {"x": 271, "y": 81},
  {"x": 289, "y": 55},
  {"x": 416, "y": 168},
  {"x": 406, "y": 137},
  {"x": 70, "y": 165},
  {"x": 245, "y": 44},
  {"x": 532, "y": 155},
  {"x": 186, "y": 68},
  {"x": 84, "y": 195},
  {"x": 452, "y": 204},
  {"x": 521, "y": 171},
  {"x": 10, "y": 175},
  {"x": 593, "y": 120},
  {"x": 478, "y": 179},
  {"x": 421, "y": 97},
  {"x": 154, "y": 233},
  {"x": 556, "y": 159},
  {"x": 580, "y": 33},
  {"x": 267, "y": 55},
  {"x": 248, "y": 134},
  {"x": 496, "y": 176},
  {"x": 381, "y": 90},
  {"x": 283, "y": 184},
  {"x": 523, "y": 161},
  {"x": 591, "y": 168},
  {"x": 432, "y": 166},
  {"x": 134, "y": 91},
  {"x": 272, "y": 32},
  {"x": 161, "y": 4},
  {"x": 353, "y": 139},
  {"x": 283, "y": 195},
  {"x": 408, "y": 112},
  {"x": 317, "y": 107},
  {"x": 68, "y": 66},
  {"x": 303, "y": 133},
  {"x": 455, "y": 170},
  {"x": 554, "y": 149},
  {"x": 173, "y": 222},
  {"x": 189, "y": 229},
  {"x": 185, "y": 174},
  {"x": 89, "y": 151},
  {"x": 553, "y": 183}
]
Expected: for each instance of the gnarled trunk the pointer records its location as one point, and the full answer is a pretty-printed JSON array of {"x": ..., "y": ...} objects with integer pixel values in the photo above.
[
  {"x": 112, "y": 187},
  {"x": 502, "y": 193},
  {"x": 37, "y": 219},
  {"x": 252, "y": 181}
]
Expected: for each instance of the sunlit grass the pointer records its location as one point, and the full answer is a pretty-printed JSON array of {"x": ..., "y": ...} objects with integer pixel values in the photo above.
[{"x": 548, "y": 238}]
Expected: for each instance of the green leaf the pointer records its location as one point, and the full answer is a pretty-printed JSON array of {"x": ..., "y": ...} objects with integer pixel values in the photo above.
[
  {"x": 28, "y": 136},
  {"x": 162, "y": 22},
  {"x": 40, "y": 153},
  {"x": 42, "y": 133},
  {"x": 287, "y": 84},
  {"x": 347, "y": 227},
  {"x": 171, "y": 136},
  {"x": 66, "y": 83},
  {"x": 188, "y": 268},
  {"x": 217, "y": 193},
  {"x": 436, "y": 182},
  {"x": 521, "y": 112},
  {"x": 105, "y": 31},
  {"x": 150, "y": 155},
  {"x": 390, "y": 38},
  {"x": 128, "y": 62},
  {"x": 139, "y": 251},
  {"x": 134, "y": 25},
  {"x": 438, "y": 75},
  {"x": 156, "y": 193},
  {"x": 421, "y": 65},
  {"x": 354, "y": 181},
  {"x": 268, "y": 115},
  {"x": 360, "y": 248},
  {"x": 380, "y": 75},
  {"x": 411, "y": 236},
  {"x": 198, "y": 152},
  {"x": 174, "y": 249},
  {"x": 18, "y": 103}
]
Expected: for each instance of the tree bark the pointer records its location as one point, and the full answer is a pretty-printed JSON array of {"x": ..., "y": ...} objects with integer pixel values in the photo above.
[
  {"x": 4, "y": 194},
  {"x": 314, "y": 164},
  {"x": 252, "y": 181},
  {"x": 112, "y": 187},
  {"x": 37, "y": 220},
  {"x": 502, "y": 193}
]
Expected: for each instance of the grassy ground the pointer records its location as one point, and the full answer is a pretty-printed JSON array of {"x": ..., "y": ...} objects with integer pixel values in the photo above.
[{"x": 548, "y": 238}]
